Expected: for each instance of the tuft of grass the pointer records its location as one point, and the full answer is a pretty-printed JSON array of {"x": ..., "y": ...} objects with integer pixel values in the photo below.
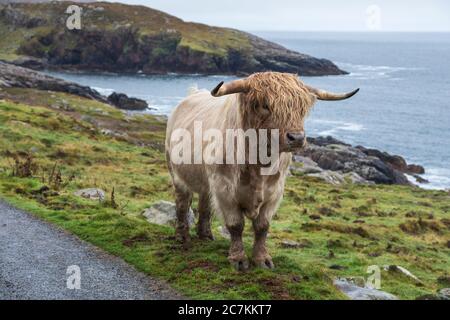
[{"x": 421, "y": 226}]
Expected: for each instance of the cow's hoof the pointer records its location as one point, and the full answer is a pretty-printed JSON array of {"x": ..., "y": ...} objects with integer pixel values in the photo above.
[
  {"x": 187, "y": 245},
  {"x": 206, "y": 236},
  {"x": 265, "y": 263},
  {"x": 184, "y": 239},
  {"x": 240, "y": 265}
]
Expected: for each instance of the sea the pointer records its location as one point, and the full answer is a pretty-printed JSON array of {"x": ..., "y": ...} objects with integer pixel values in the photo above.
[{"x": 403, "y": 106}]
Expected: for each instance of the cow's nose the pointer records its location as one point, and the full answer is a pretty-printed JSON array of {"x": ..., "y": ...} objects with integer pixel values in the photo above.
[{"x": 295, "y": 137}]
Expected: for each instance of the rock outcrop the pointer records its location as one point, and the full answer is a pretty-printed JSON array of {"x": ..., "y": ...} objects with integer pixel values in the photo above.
[
  {"x": 12, "y": 76},
  {"x": 91, "y": 194},
  {"x": 337, "y": 162},
  {"x": 123, "y": 38},
  {"x": 164, "y": 213},
  {"x": 361, "y": 292},
  {"x": 122, "y": 101},
  {"x": 18, "y": 77},
  {"x": 443, "y": 294}
]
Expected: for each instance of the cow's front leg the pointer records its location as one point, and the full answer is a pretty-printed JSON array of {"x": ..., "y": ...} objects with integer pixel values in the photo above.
[
  {"x": 234, "y": 222},
  {"x": 261, "y": 257}
]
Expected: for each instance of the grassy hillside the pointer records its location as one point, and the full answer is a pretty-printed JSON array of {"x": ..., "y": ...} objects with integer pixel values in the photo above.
[
  {"x": 125, "y": 38},
  {"x": 59, "y": 146},
  {"x": 148, "y": 21}
]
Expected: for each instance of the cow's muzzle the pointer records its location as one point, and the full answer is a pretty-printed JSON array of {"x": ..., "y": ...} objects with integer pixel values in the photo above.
[{"x": 296, "y": 140}]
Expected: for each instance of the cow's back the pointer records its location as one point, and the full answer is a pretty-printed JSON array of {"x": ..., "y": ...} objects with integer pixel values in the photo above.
[
  {"x": 211, "y": 113},
  {"x": 200, "y": 106}
]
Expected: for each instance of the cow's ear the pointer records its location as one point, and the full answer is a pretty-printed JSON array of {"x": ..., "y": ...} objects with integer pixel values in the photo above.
[{"x": 236, "y": 86}]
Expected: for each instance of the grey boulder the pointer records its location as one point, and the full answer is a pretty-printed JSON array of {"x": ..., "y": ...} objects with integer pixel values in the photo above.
[
  {"x": 357, "y": 292},
  {"x": 164, "y": 213},
  {"x": 91, "y": 193}
]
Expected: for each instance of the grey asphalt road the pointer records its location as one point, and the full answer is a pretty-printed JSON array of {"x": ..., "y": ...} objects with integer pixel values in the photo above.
[{"x": 37, "y": 259}]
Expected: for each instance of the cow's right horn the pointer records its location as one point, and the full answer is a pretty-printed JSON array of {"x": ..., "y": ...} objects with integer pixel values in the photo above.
[
  {"x": 235, "y": 86},
  {"x": 330, "y": 96}
]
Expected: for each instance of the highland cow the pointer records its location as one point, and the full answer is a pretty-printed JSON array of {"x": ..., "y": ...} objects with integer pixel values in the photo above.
[{"x": 270, "y": 101}]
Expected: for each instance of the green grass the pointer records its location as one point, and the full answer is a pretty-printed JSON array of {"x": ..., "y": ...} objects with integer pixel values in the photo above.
[{"x": 359, "y": 226}]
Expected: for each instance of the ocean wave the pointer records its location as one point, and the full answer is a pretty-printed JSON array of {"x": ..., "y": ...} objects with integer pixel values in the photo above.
[
  {"x": 336, "y": 126},
  {"x": 160, "y": 109},
  {"x": 368, "y": 72},
  {"x": 364, "y": 67},
  {"x": 439, "y": 179},
  {"x": 104, "y": 91}
]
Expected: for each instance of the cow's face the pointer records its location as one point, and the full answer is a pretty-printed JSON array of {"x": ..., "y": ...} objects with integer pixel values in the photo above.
[
  {"x": 291, "y": 129},
  {"x": 272, "y": 100},
  {"x": 278, "y": 101}
]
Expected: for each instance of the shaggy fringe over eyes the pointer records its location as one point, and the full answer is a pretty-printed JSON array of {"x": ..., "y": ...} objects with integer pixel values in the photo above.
[{"x": 288, "y": 100}]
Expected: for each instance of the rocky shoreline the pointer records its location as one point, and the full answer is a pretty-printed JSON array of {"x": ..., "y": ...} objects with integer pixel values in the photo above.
[
  {"x": 337, "y": 162},
  {"x": 12, "y": 76}
]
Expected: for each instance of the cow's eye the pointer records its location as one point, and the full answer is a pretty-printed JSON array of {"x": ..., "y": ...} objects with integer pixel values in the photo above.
[{"x": 265, "y": 106}]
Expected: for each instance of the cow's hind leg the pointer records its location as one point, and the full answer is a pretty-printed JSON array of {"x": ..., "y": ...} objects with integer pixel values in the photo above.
[
  {"x": 204, "y": 218},
  {"x": 183, "y": 199}
]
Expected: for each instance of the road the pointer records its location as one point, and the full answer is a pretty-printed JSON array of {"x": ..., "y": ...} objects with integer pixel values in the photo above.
[{"x": 41, "y": 261}]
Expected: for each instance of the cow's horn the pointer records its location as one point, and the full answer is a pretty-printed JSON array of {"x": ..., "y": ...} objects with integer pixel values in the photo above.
[
  {"x": 325, "y": 95},
  {"x": 235, "y": 86}
]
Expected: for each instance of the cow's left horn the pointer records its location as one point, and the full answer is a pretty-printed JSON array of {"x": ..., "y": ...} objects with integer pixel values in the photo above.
[
  {"x": 235, "y": 86},
  {"x": 325, "y": 95}
]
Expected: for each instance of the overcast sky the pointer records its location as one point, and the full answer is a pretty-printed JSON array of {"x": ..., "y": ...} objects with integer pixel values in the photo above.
[{"x": 317, "y": 15}]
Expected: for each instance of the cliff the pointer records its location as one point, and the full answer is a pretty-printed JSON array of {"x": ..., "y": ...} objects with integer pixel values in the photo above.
[{"x": 116, "y": 37}]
